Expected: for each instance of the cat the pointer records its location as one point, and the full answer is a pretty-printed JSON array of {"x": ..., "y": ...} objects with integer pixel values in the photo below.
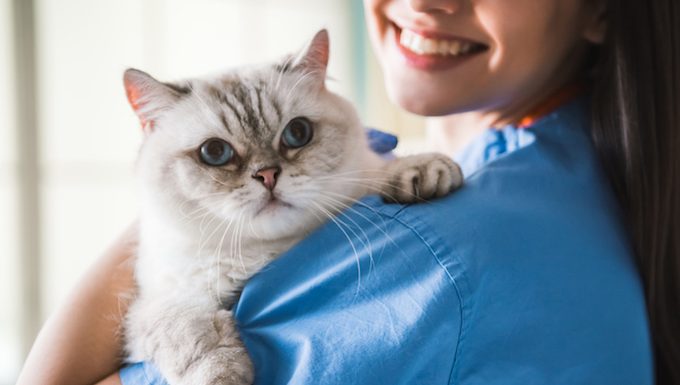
[{"x": 233, "y": 171}]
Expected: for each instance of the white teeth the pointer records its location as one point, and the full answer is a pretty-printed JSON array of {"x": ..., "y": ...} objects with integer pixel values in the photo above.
[
  {"x": 426, "y": 46},
  {"x": 455, "y": 47}
]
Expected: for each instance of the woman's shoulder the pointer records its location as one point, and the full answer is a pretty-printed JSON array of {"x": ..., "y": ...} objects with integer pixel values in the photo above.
[
  {"x": 536, "y": 241},
  {"x": 546, "y": 197},
  {"x": 361, "y": 301},
  {"x": 522, "y": 276}
]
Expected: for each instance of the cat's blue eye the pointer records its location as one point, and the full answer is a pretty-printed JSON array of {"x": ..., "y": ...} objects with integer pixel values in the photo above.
[
  {"x": 216, "y": 152},
  {"x": 298, "y": 132}
]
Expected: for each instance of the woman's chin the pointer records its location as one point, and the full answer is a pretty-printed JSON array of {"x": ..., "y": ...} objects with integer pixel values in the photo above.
[
  {"x": 419, "y": 107},
  {"x": 426, "y": 94},
  {"x": 421, "y": 101}
]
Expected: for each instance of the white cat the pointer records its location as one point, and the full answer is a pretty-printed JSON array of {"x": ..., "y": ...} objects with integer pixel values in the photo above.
[{"x": 234, "y": 170}]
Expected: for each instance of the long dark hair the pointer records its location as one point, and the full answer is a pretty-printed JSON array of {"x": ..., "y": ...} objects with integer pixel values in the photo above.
[{"x": 636, "y": 130}]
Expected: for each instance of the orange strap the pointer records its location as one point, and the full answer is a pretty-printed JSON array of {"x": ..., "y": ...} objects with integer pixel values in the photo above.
[{"x": 562, "y": 96}]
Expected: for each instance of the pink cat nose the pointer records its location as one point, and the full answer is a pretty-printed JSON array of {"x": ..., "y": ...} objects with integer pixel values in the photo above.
[{"x": 268, "y": 176}]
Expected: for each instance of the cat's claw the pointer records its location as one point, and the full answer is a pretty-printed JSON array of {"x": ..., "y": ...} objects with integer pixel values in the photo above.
[{"x": 420, "y": 177}]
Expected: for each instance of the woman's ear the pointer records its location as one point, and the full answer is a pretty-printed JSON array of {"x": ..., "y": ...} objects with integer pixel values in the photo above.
[{"x": 595, "y": 28}]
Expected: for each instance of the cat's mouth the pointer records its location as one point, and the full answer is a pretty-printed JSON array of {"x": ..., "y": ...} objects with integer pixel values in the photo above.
[{"x": 271, "y": 204}]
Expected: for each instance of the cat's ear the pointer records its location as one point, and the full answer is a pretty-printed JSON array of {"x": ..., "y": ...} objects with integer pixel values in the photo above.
[
  {"x": 314, "y": 58},
  {"x": 149, "y": 97}
]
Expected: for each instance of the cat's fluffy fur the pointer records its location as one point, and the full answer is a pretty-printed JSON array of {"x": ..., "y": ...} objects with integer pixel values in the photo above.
[{"x": 204, "y": 230}]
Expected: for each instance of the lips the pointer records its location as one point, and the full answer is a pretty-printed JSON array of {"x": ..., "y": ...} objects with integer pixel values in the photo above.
[{"x": 432, "y": 51}]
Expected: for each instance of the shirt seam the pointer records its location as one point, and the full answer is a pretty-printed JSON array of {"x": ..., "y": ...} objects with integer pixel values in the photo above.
[{"x": 462, "y": 309}]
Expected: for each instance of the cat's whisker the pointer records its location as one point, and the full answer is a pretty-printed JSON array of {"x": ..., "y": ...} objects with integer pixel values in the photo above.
[
  {"x": 194, "y": 213},
  {"x": 367, "y": 180},
  {"x": 210, "y": 210},
  {"x": 380, "y": 228},
  {"x": 348, "y": 176},
  {"x": 198, "y": 215},
  {"x": 363, "y": 205},
  {"x": 252, "y": 230},
  {"x": 355, "y": 171},
  {"x": 195, "y": 201},
  {"x": 369, "y": 187},
  {"x": 187, "y": 202},
  {"x": 218, "y": 181},
  {"x": 234, "y": 235},
  {"x": 202, "y": 217},
  {"x": 209, "y": 112},
  {"x": 207, "y": 211},
  {"x": 220, "y": 244},
  {"x": 233, "y": 247},
  {"x": 184, "y": 203},
  {"x": 203, "y": 241},
  {"x": 371, "y": 184},
  {"x": 285, "y": 65},
  {"x": 304, "y": 76},
  {"x": 239, "y": 242},
  {"x": 340, "y": 224},
  {"x": 337, "y": 204},
  {"x": 218, "y": 258},
  {"x": 235, "y": 240},
  {"x": 313, "y": 212}
]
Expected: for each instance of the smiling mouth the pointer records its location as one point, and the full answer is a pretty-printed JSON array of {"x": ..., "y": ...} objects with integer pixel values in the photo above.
[
  {"x": 422, "y": 45},
  {"x": 431, "y": 51},
  {"x": 435, "y": 46}
]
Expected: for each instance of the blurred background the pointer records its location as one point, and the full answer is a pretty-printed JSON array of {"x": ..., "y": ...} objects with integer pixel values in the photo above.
[{"x": 68, "y": 139}]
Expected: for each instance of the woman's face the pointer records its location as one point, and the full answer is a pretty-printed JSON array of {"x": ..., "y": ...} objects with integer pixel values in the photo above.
[{"x": 448, "y": 56}]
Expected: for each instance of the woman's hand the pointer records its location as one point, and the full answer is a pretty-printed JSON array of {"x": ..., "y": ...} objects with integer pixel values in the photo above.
[{"x": 81, "y": 342}]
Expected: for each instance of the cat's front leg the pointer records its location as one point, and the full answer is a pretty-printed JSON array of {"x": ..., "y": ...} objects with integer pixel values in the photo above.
[
  {"x": 191, "y": 343},
  {"x": 416, "y": 178},
  {"x": 225, "y": 363}
]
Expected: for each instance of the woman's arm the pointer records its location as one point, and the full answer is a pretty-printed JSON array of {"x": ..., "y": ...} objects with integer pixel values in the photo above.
[
  {"x": 113, "y": 379},
  {"x": 81, "y": 342}
]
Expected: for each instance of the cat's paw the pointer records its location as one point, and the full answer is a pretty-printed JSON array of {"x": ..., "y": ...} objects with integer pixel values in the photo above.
[
  {"x": 420, "y": 177},
  {"x": 217, "y": 356},
  {"x": 225, "y": 365}
]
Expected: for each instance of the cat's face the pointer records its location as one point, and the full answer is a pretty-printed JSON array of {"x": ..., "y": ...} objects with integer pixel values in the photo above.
[{"x": 253, "y": 150}]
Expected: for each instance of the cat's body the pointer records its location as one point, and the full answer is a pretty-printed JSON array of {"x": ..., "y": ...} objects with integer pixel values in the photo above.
[{"x": 234, "y": 170}]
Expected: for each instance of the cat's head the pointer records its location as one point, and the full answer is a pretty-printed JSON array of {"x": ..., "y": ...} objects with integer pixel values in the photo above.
[{"x": 255, "y": 148}]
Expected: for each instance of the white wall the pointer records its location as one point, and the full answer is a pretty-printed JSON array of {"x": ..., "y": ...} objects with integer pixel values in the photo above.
[{"x": 9, "y": 336}]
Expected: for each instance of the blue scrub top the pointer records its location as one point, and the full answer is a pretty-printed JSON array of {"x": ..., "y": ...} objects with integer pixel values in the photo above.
[{"x": 523, "y": 276}]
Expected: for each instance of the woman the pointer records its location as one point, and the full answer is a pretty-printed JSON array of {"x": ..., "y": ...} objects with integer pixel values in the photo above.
[{"x": 526, "y": 275}]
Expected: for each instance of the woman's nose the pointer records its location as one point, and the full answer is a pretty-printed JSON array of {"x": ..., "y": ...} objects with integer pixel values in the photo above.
[{"x": 435, "y": 6}]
